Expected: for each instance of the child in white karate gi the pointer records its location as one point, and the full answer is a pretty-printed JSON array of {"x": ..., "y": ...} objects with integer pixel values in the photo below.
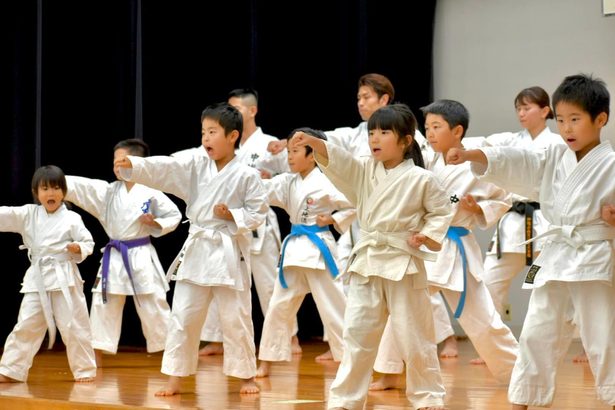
[
  {"x": 56, "y": 240},
  {"x": 572, "y": 278},
  {"x": 225, "y": 201},
  {"x": 457, "y": 272},
  {"x": 129, "y": 213},
  {"x": 400, "y": 207},
  {"x": 309, "y": 254}
]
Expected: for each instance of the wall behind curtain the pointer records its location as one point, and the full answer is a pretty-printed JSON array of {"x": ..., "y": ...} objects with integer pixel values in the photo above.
[{"x": 193, "y": 54}]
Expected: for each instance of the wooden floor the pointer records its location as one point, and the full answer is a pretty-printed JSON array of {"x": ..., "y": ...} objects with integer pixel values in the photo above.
[{"x": 130, "y": 379}]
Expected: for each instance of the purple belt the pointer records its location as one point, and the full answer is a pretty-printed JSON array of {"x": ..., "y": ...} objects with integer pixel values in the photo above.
[{"x": 122, "y": 247}]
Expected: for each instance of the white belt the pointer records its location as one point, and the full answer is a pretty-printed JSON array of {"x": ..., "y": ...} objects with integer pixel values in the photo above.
[
  {"x": 396, "y": 240},
  {"x": 577, "y": 235}
]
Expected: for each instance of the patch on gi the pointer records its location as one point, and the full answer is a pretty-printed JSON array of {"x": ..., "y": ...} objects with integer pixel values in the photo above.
[
  {"x": 96, "y": 282},
  {"x": 531, "y": 274}
]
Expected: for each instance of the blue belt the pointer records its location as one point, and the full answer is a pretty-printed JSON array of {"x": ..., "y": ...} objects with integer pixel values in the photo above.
[
  {"x": 455, "y": 233},
  {"x": 122, "y": 247},
  {"x": 310, "y": 232}
]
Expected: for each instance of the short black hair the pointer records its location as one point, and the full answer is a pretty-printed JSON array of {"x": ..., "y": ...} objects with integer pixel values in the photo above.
[
  {"x": 134, "y": 146},
  {"x": 309, "y": 131},
  {"x": 50, "y": 176},
  {"x": 453, "y": 112},
  {"x": 243, "y": 93},
  {"x": 227, "y": 116},
  {"x": 584, "y": 91}
]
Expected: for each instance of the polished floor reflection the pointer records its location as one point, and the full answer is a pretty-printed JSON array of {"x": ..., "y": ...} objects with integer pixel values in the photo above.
[{"x": 130, "y": 379}]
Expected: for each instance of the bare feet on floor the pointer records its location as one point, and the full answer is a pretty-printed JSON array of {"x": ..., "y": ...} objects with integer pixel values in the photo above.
[
  {"x": 386, "y": 382},
  {"x": 5, "y": 379},
  {"x": 249, "y": 386},
  {"x": 580, "y": 358},
  {"x": 326, "y": 356},
  {"x": 295, "y": 348},
  {"x": 477, "y": 361},
  {"x": 212, "y": 348},
  {"x": 85, "y": 380},
  {"x": 263, "y": 369},
  {"x": 449, "y": 347},
  {"x": 171, "y": 389}
]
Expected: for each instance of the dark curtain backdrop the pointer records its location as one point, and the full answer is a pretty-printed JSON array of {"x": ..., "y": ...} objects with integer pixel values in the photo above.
[{"x": 304, "y": 60}]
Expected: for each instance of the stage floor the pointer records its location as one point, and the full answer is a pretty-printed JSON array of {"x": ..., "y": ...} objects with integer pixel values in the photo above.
[{"x": 130, "y": 379}]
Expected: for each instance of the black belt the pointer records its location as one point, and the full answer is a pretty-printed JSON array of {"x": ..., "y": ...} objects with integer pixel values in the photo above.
[{"x": 527, "y": 210}]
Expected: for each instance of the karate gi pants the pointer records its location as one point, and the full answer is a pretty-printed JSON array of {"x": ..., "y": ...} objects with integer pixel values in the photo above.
[
  {"x": 330, "y": 301},
  {"x": 73, "y": 325},
  {"x": 548, "y": 331},
  {"x": 153, "y": 310},
  {"x": 190, "y": 305},
  {"x": 370, "y": 301},
  {"x": 499, "y": 274}
]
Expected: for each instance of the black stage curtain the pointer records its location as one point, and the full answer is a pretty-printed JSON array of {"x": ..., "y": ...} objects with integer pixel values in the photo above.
[{"x": 304, "y": 60}]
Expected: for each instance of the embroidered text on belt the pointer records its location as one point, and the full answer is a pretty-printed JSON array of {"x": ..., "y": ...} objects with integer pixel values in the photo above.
[
  {"x": 310, "y": 232},
  {"x": 455, "y": 233},
  {"x": 122, "y": 247},
  {"x": 37, "y": 263},
  {"x": 527, "y": 210}
]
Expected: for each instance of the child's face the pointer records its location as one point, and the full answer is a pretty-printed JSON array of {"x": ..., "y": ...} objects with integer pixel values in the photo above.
[
  {"x": 368, "y": 101},
  {"x": 50, "y": 197},
  {"x": 577, "y": 128},
  {"x": 439, "y": 133},
  {"x": 218, "y": 145},
  {"x": 299, "y": 162},
  {"x": 387, "y": 147},
  {"x": 530, "y": 115},
  {"x": 118, "y": 155}
]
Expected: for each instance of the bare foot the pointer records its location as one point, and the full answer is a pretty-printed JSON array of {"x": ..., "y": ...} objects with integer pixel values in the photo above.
[
  {"x": 295, "y": 348},
  {"x": 212, "y": 348},
  {"x": 386, "y": 382},
  {"x": 449, "y": 347},
  {"x": 5, "y": 379},
  {"x": 99, "y": 357},
  {"x": 477, "y": 361},
  {"x": 580, "y": 358},
  {"x": 263, "y": 369},
  {"x": 85, "y": 380},
  {"x": 249, "y": 386},
  {"x": 519, "y": 407},
  {"x": 324, "y": 357},
  {"x": 171, "y": 389}
]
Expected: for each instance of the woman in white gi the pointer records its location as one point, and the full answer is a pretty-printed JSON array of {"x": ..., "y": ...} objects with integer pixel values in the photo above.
[
  {"x": 457, "y": 271},
  {"x": 225, "y": 201},
  {"x": 400, "y": 207},
  {"x": 56, "y": 240},
  {"x": 129, "y": 213},
  {"x": 309, "y": 254},
  {"x": 572, "y": 278}
]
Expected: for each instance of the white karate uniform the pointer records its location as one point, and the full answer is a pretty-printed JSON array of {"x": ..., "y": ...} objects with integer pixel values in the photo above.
[
  {"x": 305, "y": 270},
  {"x": 510, "y": 231},
  {"x": 52, "y": 288},
  {"x": 213, "y": 263},
  {"x": 491, "y": 338},
  {"x": 118, "y": 210},
  {"x": 572, "y": 278},
  {"x": 387, "y": 277}
]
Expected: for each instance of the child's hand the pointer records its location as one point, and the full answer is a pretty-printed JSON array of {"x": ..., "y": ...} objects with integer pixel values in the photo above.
[
  {"x": 222, "y": 212},
  {"x": 456, "y": 156},
  {"x": 301, "y": 139},
  {"x": 265, "y": 174},
  {"x": 275, "y": 147},
  {"x": 468, "y": 203},
  {"x": 416, "y": 240},
  {"x": 149, "y": 219},
  {"x": 324, "y": 220},
  {"x": 122, "y": 163},
  {"x": 73, "y": 248},
  {"x": 608, "y": 214}
]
